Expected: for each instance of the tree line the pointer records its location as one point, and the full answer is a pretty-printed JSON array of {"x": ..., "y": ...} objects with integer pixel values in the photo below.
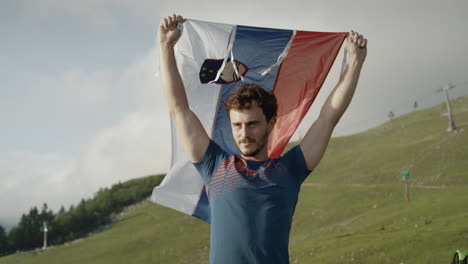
[{"x": 78, "y": 221}]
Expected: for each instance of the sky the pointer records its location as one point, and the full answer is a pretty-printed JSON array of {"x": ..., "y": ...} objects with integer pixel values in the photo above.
[{"x": 81, "y": 108}]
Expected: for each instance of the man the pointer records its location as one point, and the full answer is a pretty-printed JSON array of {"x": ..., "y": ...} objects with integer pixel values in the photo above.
[{"x": 252, "y": 197}]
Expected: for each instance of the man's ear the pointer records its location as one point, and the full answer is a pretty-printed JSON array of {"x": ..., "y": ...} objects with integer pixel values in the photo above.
[{"x": 271, "y": 124}]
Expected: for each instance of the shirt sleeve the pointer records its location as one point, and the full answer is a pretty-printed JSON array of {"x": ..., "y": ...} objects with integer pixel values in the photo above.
[
  {"x": 296, "y": 163},
  {"x": 214, "y": 155}
]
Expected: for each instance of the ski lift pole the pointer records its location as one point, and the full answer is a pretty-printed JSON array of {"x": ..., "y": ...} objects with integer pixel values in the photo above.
[{"x": 451, "y": 125}]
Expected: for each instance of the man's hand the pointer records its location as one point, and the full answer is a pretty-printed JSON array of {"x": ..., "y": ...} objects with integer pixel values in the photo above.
[
  {"x": 356, "y": 47},
  {"x": 168, "y": 31}
]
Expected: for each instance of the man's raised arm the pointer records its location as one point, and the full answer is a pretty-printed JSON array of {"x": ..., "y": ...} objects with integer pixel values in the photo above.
[
  {"x": 315, "y": 141},
  {"x": 189, "y": 128}
]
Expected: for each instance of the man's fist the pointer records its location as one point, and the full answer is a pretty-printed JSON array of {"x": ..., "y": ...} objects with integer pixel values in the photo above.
[
  {"x": 168, "y": 31},
  {"x": 356, "y": 46}
]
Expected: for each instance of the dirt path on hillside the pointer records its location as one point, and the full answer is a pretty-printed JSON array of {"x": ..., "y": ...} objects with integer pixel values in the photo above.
[{"x": 421, "y": 186}]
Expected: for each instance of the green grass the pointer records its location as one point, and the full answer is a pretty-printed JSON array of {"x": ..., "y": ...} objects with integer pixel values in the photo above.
[{"x": 351, "y": 208}]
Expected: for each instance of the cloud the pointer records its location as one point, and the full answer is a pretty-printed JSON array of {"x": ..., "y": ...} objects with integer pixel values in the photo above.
[
  {"x": 29, "y": 179},
  {"x": 94, "y": 12},
  {"x": 138, "y": 144},
  {"x": 136, "y": 147},
  {"x": 69, "y": 88},
  {"x": 140, "y": 77},
  {"x": 79, "y": 87}
]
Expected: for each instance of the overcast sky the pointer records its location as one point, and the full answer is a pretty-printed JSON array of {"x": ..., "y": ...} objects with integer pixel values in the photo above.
[{"x": 80, "y": 107}]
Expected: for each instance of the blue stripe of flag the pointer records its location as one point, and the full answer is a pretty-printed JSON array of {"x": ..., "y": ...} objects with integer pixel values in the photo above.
[{"x": 258, "y": 49}]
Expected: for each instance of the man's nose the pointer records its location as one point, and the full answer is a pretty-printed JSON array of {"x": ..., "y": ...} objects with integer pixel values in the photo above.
[{"x": 243, "y": 131}]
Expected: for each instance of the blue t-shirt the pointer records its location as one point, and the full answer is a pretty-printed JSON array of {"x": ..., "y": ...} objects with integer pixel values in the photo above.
[{"x": 252, "y": 204}]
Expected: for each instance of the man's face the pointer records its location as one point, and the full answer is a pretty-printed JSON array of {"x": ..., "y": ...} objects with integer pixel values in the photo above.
[{"x": 250, "y": 131}]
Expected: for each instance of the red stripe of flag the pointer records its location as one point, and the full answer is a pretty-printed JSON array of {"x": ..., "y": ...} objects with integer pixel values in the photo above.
[{"x": 300, "y": 77}]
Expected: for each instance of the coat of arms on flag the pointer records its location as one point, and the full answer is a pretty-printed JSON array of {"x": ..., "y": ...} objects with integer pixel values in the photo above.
[
  {"x": 213, "y": 59},
  {"x": 231, "y": 72}
]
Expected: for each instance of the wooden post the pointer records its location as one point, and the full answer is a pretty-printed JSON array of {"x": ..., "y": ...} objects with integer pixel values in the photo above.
[
  {"x": 407, "y": 192},
  {"x": 405, "y": 178}
]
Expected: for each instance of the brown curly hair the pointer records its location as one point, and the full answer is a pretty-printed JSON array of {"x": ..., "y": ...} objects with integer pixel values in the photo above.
[{"x": 244, "y": 96}]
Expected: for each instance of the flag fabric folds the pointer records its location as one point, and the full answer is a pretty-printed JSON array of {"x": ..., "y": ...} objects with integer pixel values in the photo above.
[{"x": 213, "y": 60}]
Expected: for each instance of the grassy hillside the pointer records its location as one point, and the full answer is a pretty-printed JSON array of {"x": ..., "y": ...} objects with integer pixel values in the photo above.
[{"x": 351, "y": 208}]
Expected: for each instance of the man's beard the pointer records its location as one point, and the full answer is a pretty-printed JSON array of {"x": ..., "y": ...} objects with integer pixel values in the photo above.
[{"x": 260, "y": 145}]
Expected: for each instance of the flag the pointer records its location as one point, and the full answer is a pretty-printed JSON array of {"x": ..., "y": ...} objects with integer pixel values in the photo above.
[{"x": 213, "y": 60}]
